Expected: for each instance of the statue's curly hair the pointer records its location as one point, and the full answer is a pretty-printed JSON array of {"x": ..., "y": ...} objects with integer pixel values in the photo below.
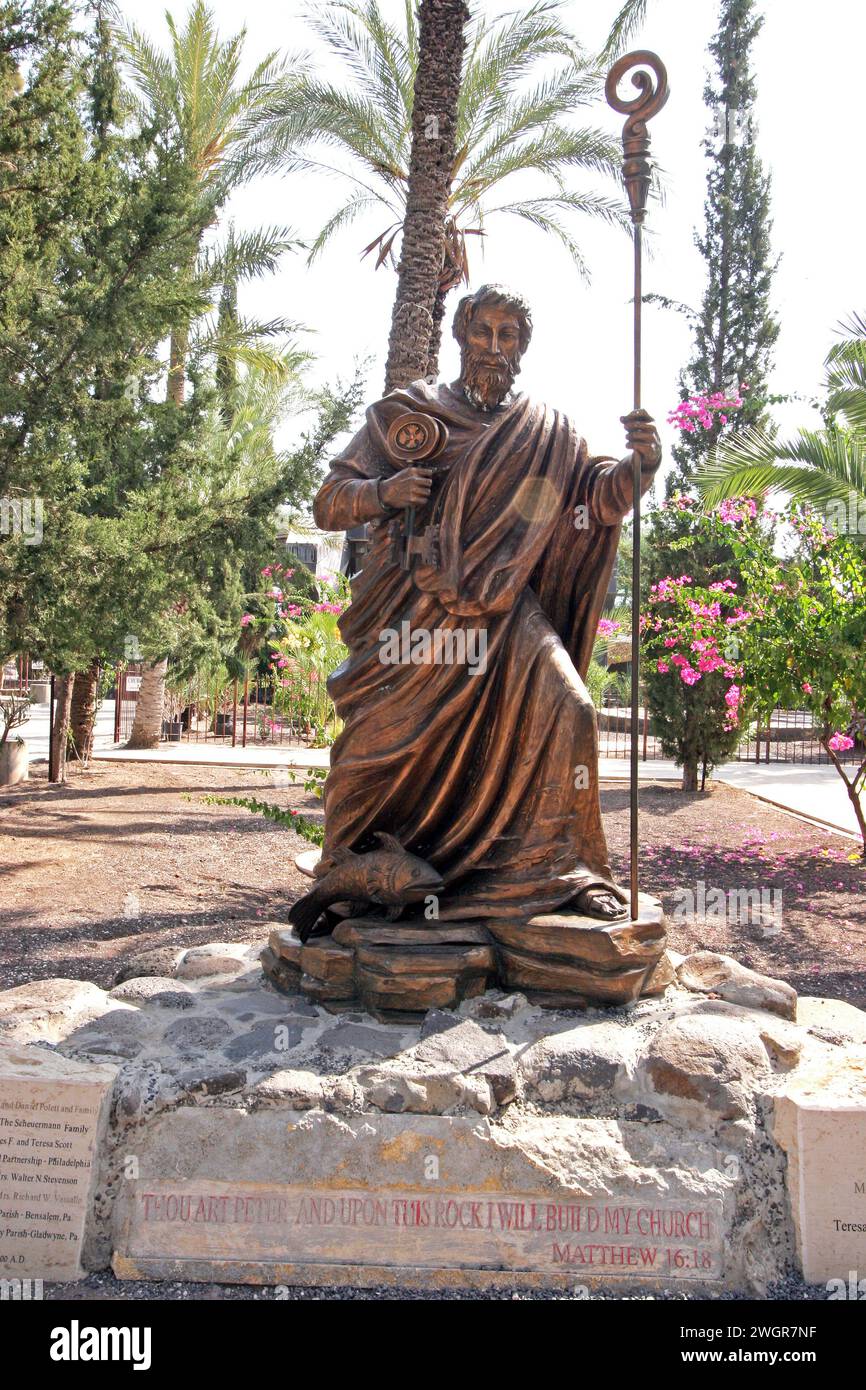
[{"x": 499, "y": 296}]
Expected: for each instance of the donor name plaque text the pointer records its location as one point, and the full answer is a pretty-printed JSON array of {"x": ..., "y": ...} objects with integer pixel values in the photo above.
[
  {"x": 51, "y": 1114},
  {"x": 253, "y": 1224}
]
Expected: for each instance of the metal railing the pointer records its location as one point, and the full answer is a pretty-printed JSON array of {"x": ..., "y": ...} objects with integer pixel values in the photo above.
[
  {"x": 294, "y": 711},
  {"x": 791, "y": 736}
]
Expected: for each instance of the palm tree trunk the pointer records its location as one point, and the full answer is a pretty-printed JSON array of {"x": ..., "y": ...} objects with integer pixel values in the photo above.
[
  {"x": 177, "y": 367},
  {"x": 441, "y": 41},
  {"x": 82, "y": 713},
  {"x": 63, "y": 701},
  {"x": 432, "y": 371},
  {"x": 147, "y": 725}
]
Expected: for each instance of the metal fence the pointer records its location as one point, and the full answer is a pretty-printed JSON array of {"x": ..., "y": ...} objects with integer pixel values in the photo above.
[
  {"x": 15, "y": 675},
  {"x": 790, "y": 737},
  {"x": 294, "y": 710}
]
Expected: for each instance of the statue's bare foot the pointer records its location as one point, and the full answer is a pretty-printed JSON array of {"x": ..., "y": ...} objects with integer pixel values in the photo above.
[{"x": 599, "y": 902}]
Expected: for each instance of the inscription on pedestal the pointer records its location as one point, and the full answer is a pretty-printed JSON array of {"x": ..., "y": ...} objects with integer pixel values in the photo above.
[
  {"x": 50, "y": 1112},
  {"x": 253, "y": 1223}
]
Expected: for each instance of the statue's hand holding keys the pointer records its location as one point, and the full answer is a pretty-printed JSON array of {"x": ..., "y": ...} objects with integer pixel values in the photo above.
[{"x": 408, "y": 488}]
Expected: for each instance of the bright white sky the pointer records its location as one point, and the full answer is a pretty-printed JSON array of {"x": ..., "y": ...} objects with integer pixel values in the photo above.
[{"x": 808, "y": 64}]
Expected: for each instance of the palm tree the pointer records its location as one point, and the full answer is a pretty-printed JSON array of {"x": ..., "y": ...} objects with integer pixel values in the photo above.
[
  {"x": 435, "y": 102},
  {"x": 826, "y": 468},
  {"x": 209, "y": 117},
  {"x": 510, "y": 122}
]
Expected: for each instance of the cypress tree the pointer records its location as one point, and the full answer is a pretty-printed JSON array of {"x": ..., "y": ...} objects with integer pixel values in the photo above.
[{"x": 734, "y": 334}]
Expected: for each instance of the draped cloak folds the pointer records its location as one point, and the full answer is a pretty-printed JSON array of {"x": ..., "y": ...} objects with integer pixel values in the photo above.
[{"x": 488, "y": 772}]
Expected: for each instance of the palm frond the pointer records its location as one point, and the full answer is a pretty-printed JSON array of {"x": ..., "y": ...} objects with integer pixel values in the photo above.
[
  {"x": 246, "y": 340},
  {"x": 590, "y": 204},
  {"x": 343, "y": 217},
  {"x": 500, "y": 55},
  {"x": 195, "y": 90},
  {"x": 536, "y": 110},
  {"x": 550, "y": 152},
  {"x": 846, "y": 380},
  {"x": 545, "y": 219},
  {"x": 302, "y": 109},
  {"x": 247, "y": 255},
  {"x": 815, "y": 467},
  {"x": 374, "y": 53},
  {"x": 626, "y": 24}
]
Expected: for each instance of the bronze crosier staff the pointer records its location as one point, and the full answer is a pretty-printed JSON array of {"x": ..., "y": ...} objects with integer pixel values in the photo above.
[{"x": 636, "y": 175}]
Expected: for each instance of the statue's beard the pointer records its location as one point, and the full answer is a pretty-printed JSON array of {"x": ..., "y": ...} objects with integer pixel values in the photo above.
[{"x": 486, "y": 385}]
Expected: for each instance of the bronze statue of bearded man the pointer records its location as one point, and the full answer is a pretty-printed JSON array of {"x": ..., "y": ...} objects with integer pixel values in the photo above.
[{"x": 484, "y": 770}]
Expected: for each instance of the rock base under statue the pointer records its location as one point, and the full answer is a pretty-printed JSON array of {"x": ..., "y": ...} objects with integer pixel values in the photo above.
[
  {"x": 702, "y": 1136},
  {"x": 395, "y": 970}
]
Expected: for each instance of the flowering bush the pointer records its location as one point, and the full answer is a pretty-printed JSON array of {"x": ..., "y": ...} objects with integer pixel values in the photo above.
[
  {"x": 689, "y": 635},
  {"x": 693, "y": 610},
  {"x": 695, "y": 687},
  {"x": 301, "y": 633},
  {"x": 704, "y": 411},
  {"x": 809, "y": 631}
]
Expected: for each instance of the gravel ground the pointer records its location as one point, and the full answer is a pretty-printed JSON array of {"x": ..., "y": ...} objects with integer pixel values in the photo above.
[
  {"x": 129, "y": 856},
  {"x": 105, "y": 1287}
]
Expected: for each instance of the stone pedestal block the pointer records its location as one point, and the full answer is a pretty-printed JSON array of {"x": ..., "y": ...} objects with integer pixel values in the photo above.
[
  {"x": 820, "y": 1122},
  {"x": 53, "y": 1113}
]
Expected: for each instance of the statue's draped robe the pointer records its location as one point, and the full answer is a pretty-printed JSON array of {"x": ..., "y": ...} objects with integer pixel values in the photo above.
[{"x": 491, "y": 777}]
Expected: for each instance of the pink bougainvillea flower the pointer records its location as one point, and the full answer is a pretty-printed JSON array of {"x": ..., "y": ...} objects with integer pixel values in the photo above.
[
  {"x": 840, "y": 743},
  {"x": 246, "y": 619},
  {"x": 688, "y": 675},
  {"x": 606, "y": 628},
  {"x": 737, "y": 509},
  {"x": 806, "y": 687},
  {"x": 662, "y": 667}
]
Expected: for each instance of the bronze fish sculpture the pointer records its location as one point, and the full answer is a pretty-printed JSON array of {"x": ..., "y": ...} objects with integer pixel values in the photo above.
[{"x": 389, "y": 876}]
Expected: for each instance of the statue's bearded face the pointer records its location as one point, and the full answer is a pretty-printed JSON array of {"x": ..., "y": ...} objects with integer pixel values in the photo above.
[{"x": 490, "y": 355}]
